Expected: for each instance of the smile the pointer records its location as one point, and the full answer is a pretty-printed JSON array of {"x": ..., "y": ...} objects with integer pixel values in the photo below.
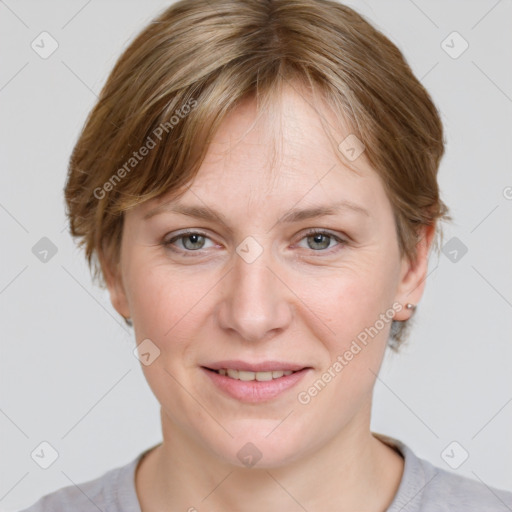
[
  {"x": 247, "y": 375},
  {"x": 254, "y": 387}
]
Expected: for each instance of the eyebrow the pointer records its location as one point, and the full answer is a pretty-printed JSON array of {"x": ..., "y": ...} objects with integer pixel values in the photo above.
[{"x": 294, "y": 215}]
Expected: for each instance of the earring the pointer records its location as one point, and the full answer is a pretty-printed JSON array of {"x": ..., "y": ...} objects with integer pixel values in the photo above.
[{"x": 411, "y": 306}]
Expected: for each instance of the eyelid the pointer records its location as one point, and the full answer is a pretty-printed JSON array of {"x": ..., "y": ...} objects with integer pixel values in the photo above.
[
  {"x": 168, "y": 242},
  {"x": 321, "y": 231},
  {"x": 342, "y": 240}
]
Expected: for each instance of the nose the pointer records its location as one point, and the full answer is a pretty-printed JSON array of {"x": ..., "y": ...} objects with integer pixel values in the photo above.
[{"x": 255, "y": 303}]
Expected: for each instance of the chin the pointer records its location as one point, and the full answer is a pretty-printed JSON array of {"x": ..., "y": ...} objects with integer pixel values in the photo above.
[{"x": 259, "y": 447}]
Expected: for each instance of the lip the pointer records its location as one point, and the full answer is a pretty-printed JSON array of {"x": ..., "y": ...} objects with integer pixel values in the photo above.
[
  {"x": 254, "y": 391},
  {"x": 264, "y": 366}
]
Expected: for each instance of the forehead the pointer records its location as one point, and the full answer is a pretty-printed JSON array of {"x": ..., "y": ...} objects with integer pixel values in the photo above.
[
  {"x": 291, "y": 137},
  {"x": 285, "y": 154}
]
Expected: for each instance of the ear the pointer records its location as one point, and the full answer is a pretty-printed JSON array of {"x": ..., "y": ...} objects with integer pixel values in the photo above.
[
  {"x": 114, "y": 282},
  {"x": 414, "y": 274}
]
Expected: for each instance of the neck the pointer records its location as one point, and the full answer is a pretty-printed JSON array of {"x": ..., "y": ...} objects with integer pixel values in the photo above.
[{"x": 353, "y": 471}]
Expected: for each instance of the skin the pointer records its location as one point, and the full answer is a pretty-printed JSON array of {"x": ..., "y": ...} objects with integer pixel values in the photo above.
[{"x": 304, "y": 300}]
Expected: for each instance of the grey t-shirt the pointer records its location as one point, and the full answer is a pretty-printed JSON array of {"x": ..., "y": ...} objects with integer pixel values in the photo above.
[{"x": 423, "y": 488}]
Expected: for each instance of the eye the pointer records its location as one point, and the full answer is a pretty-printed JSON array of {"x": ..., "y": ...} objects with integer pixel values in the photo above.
[
  {"x": 318, "y": 240},
  {"x": 191, "y": 241},
  {"x": 194, "y": 241}
]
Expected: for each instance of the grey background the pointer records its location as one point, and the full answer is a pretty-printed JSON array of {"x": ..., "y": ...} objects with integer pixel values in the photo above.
[{"x": 68, "y": 374}]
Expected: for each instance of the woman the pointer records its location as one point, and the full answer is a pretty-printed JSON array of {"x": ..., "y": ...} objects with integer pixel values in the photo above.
[{"x": 257, "y": 188}]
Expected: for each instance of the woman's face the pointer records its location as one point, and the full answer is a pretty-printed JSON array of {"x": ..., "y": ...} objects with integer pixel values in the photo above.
[{"x": 259, "y": 289}]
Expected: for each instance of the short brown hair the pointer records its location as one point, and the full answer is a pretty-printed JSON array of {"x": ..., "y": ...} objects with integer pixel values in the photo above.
[{"x": 197, "y": 60}]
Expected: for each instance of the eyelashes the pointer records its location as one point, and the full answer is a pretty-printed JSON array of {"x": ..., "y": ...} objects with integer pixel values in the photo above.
[
  {"x": 183, "y": 236},
  {"x": 197, "y": 237},
  {"x": 314, "y": 233}
]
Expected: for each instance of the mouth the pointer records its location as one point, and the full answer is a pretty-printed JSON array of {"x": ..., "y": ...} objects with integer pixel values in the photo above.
[
  {"x": 248, "y": 376},
  {"x": 254, "y": 385}
]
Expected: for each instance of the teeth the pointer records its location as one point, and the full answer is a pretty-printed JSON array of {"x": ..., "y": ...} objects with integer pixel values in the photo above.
[
  {"x": 259, "y": 376},
  {"x": 243, "y": 375},
  {"x": 233, "y": 374}
]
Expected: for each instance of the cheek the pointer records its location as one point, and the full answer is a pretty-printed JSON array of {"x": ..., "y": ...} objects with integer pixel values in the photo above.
[
  {"x": 358, "y": 336},
  {"x": 166, "y": 309},
  {"x": 164, "y": 299},
  {"x": 351, "y": 306},
  {"x": 355, "y": 303},
  {"x": 351, "y": 297},
  {"x": 170, "y": 307}
]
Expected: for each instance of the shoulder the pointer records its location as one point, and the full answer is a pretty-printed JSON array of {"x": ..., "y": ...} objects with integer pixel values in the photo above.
[
  {"x": 428, "y": 488},
  {"x": 85, "y": 496},
  {"x": 113, "y": 490},
  {"x": 451, "y": 492}
]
